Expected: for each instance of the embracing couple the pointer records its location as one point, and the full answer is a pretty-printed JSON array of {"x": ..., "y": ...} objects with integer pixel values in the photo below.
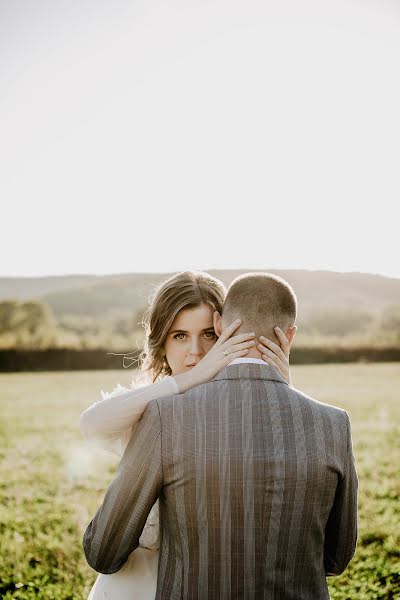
[{"x": 232, "y": 483}]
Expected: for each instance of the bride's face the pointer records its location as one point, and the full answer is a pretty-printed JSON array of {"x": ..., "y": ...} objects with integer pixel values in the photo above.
[{"x": 190, "y": 337}]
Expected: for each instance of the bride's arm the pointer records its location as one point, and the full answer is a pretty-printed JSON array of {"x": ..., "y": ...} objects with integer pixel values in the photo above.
[
  {"x": 113, "y": 417},
  {"x": 110, "y": 418}
]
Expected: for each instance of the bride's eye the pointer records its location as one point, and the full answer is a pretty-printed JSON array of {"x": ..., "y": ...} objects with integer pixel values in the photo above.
[
  {"x": 210, "y": 335},
  {"x": 179, "y": 336}
]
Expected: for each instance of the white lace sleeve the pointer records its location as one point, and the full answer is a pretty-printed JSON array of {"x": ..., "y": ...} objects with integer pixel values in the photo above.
[
  {"x": 150, "y": 537},
  {"x": 111, "y": 420}
]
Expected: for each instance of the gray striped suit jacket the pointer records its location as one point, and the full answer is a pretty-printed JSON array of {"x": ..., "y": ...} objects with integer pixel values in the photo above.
[{"x": 257, "y": 489}]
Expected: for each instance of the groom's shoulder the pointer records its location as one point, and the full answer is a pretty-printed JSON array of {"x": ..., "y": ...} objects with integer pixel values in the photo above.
[
  {"x": 317, "y": 407},
  {"x": 193, "y": 393},
  {"x": 304, "y": 401}
]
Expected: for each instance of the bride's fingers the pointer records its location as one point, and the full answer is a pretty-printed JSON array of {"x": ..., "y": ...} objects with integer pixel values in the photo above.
[
  {"x": 283, "y": 362},
  {"x": 282, "y": 365},
  {"x": 232, "y": 351},
  {"x": 232, "y": 355},
  {"x": 274, "y": 363},
  {"x": 279, "y": 360},
  {"x": 238, "y": 339},
  {"x": 284, "y": 342},
  {"x": 229, "y": 351},
  {"x": 275, "y": 354},
  {"x": 277, "y": 350},
  {"x": 225, "y": 335},
  {"x": 237, "y": 347},
  {"x": 228, "y": 337}
]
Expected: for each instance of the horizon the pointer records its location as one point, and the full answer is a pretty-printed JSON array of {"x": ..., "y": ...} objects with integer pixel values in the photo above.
[{"x": 162, "y": 272}]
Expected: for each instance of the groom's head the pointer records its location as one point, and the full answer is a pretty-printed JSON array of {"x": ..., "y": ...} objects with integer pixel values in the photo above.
[{"x": 263, "y": 301}]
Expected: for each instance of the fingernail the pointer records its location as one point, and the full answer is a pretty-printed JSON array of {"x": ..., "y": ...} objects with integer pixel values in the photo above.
[
  {"x": 262, "y": 337},
  {"x": 277, "y": 328},
  {"x": 238, "y": 321}
]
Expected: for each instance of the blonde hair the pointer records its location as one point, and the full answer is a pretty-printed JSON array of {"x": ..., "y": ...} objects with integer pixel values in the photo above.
[
  {"x": 188, "y": 289},
  {"x": 262, "y": 301}
]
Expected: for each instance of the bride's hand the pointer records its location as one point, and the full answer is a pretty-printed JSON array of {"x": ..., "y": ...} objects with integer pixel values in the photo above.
[
  {"x": 225, "y": 349},
  {"x": 276, "y": 356}
]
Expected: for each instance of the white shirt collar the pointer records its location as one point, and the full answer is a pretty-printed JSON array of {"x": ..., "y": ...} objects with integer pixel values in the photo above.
[{"x": 257, "y": 361}]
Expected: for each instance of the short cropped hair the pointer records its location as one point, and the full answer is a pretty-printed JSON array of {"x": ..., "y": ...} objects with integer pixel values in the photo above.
[{"x": 262, "y": 301}]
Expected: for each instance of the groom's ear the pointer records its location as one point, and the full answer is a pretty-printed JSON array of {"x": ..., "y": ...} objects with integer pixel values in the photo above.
[
  {"x": 290, "y": 333},
  {"x": 217, "y": 321}
]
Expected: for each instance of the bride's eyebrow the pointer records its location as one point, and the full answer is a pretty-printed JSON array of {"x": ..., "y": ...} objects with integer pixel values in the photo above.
[
  {"x": 184, "y": 331},
  {"x": 178, "y": 331}
]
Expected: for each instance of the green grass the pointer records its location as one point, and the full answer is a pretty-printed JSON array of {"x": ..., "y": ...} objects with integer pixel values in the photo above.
[{"x": 52, "y": 483}]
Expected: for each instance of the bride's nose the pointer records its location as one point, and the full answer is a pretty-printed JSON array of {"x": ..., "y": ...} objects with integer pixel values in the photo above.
[{"x": 195, "y": 347}]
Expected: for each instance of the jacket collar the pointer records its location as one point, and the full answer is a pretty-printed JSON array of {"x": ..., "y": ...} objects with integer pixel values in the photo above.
[{"x": 249, "y": 371}]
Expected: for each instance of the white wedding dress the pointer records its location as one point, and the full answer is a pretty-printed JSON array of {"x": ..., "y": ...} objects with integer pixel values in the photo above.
[{"x": 111, "y": 422}]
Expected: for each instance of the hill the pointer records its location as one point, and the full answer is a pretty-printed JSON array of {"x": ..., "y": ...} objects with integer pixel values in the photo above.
[{"x": 109, "y": 295}]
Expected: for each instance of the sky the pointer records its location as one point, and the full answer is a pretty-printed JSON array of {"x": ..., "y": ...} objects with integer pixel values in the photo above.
[{"x": 161, "y": 136}]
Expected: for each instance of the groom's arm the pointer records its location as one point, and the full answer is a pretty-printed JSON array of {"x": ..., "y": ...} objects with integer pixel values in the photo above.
[
  {"x": 115, "y": 530},
  {"x": 341, "y": 528}
]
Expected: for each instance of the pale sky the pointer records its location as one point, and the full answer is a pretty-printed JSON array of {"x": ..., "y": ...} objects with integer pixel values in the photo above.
[{"x": 159, "y": 136}]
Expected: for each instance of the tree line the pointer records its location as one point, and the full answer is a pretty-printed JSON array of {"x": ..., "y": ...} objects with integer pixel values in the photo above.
[{"x": 32, "y": 325}]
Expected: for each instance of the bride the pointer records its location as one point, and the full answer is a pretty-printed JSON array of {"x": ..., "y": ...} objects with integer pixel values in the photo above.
[{"x": 181, "y": 351}]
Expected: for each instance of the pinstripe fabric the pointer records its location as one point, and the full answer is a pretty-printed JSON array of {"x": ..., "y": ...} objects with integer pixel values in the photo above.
[{"x": 257, "y": 488}]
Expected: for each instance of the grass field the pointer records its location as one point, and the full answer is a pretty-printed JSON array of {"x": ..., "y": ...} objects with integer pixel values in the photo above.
[{"x": 52, "y": 483}]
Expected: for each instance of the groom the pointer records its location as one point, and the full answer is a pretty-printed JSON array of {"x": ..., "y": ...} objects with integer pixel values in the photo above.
[{"x": 256, "y": 480}]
